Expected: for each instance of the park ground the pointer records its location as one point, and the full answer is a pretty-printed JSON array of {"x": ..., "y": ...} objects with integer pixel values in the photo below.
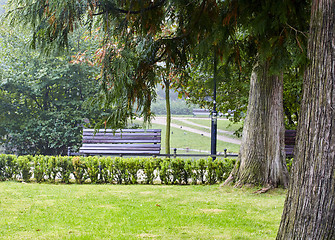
[
  {"x": 192, "y": 134},
  {"x": 58, "y": 211}
]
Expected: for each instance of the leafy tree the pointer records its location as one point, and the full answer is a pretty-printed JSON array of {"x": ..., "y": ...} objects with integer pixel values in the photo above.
[
  {"x": 309, "y": 206},
  {"x": 42, "y": 99}
]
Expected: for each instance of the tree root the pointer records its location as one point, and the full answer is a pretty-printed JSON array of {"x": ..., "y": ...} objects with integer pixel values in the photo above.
[
  {"x": 263, "y": 190},
  {"x": 228, "y": 181}
]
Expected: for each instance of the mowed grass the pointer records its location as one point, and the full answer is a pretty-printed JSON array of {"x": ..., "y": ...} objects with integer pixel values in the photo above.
[
  {"x": 205, "y": 128},
  {"x": 185, "y": 139},
  {"x": 43, "y": 211},
  {"x": 223, "y": 124}
]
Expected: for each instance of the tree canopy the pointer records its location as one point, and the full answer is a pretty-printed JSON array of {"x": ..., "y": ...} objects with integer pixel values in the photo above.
[
  {"x": 42, "y": 98},
  {"x": 135, "y": 38}
]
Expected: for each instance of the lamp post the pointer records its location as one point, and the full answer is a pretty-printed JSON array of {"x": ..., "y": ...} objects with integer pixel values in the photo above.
[{"x": 214, "y": 113}]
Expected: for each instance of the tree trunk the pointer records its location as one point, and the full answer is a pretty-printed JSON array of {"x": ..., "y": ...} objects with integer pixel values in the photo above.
[
  {"x": 309, "y": 211},
  {"x": 168, "y": 116},
  {"x": 262, "y": 157}
]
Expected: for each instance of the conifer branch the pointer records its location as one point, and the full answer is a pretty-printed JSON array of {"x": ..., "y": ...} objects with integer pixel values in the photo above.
[
  {"x": 136, "y": 11},
  {"x": 296, "y": 35},
  {"x": 297, "y": 31}
]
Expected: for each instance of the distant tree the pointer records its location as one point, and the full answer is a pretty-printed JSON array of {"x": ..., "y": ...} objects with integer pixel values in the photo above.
[{"x": 42, "y": 99}]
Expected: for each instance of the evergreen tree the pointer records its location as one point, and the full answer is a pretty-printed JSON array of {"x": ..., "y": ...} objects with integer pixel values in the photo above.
[
  {"x": 309, "y": 211},
  {"x": 134, "y": 43}
]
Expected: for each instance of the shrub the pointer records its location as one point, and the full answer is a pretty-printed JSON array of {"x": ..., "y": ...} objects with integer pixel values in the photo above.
[
  {"x": 149, "y": 167},
  {"x": 79, "y": 169},
  {"x": 39, "y": 168},
  {"x": 9, "y": 167},
  {"x": 51, "y": 168},
  {"x": 115, "y": 170},
  {"x": 134, "y": 166},
  {"x": 93, "y": 168},
  {"x": 65, "y": 168},
  {"x": 24, "y": 166}
]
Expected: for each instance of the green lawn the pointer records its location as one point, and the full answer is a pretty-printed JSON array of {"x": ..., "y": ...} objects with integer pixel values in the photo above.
[
  {"x": 223, "y": 124},
  {"x": 185, "y": 139},
  {"x": 43, "y": 211},
  {"x": 205, "y": 124}
]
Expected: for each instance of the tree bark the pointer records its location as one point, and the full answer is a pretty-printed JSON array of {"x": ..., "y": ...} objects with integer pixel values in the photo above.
[
  {"x": 309, "y": 211},
  {"x": 262, "y": 157}
]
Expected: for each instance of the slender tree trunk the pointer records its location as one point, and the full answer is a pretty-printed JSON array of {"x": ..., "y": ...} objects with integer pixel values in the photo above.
[
  {"x": 309, "y": 211},
  {"x": 168, "y": 116},
  {"x": 262, "y": 157}
]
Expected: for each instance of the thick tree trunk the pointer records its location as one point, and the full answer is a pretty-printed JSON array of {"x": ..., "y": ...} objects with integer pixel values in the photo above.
[
  {"x": 168, "y": 116},
  {"x": 262, "y": 157},
  {"x": 309, "y": 211}
]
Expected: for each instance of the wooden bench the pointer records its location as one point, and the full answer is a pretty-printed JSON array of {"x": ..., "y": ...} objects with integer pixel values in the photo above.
[
  {"x": 121, "y": 142},
  {"x": 199, "y": 111},
  {"x": 205, "y": 112},
  {"x": 290, "y": 136}
]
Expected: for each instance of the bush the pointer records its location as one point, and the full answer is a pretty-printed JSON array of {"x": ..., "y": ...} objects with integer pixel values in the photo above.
[
  {"x": 8, "y": 167},
  {"x": 24, "y": 164},
  {"x": 114, "y": 170},
  {"x": 65, "y": 168}
]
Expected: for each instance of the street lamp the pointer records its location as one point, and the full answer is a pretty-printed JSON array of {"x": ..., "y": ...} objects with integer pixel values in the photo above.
[{"x": 214, "y": 116}]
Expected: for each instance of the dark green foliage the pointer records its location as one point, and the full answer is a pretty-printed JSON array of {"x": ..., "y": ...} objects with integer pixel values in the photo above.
[
  {"x": 118, "y": 170},
  {"x": 201, "y": 170},
  {"x": 149, "y": 167},
  {"x": 43, "y": 100},
  {"x": 39, "y": 168},
  {"x": 25, "y": 167},
  {"x": 93, "y": 168},
  {"x": 223, "y": 168},
  {"x": 114, "y": 170},
  {"x": 164, "y": 172},
  {"x": 65, "y": 168},
  {"x": 106, "y": 175},
  {"x": 51, "y": 168},
  {"x": 79, "y": 169},
  {"x": 289, "y": 162},
  {"x": 9, "y": 167},
  {"x": 134, "y": 165}
]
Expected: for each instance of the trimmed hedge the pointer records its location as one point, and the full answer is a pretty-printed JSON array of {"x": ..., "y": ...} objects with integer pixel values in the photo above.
[{"x": 114, "y": 170}]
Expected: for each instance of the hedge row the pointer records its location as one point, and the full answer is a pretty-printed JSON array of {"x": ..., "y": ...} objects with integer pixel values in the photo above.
[{"x": 114, "y": 170}]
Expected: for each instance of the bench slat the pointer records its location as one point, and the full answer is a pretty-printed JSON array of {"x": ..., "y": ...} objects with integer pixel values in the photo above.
[
  {"x": 115, "y": 141},
  {"x": 122, "y": 145},
  {"x": 122, "y": 131},
  {"x": 121, "y": 134},
  {"x": 98, "y": 152},
  {"x": 123, "y": 137}
]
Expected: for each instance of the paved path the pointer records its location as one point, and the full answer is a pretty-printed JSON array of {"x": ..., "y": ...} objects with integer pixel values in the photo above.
[
  {"x": 202, "y": 126},
  {"x": 162, "y": 121}
]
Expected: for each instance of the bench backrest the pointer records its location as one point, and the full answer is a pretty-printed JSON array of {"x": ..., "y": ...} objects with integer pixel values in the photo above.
[
  {"x": 290, "y": 136},
  {"x": 125, "y": 141},
  {"x": 200, "y": 111}
]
